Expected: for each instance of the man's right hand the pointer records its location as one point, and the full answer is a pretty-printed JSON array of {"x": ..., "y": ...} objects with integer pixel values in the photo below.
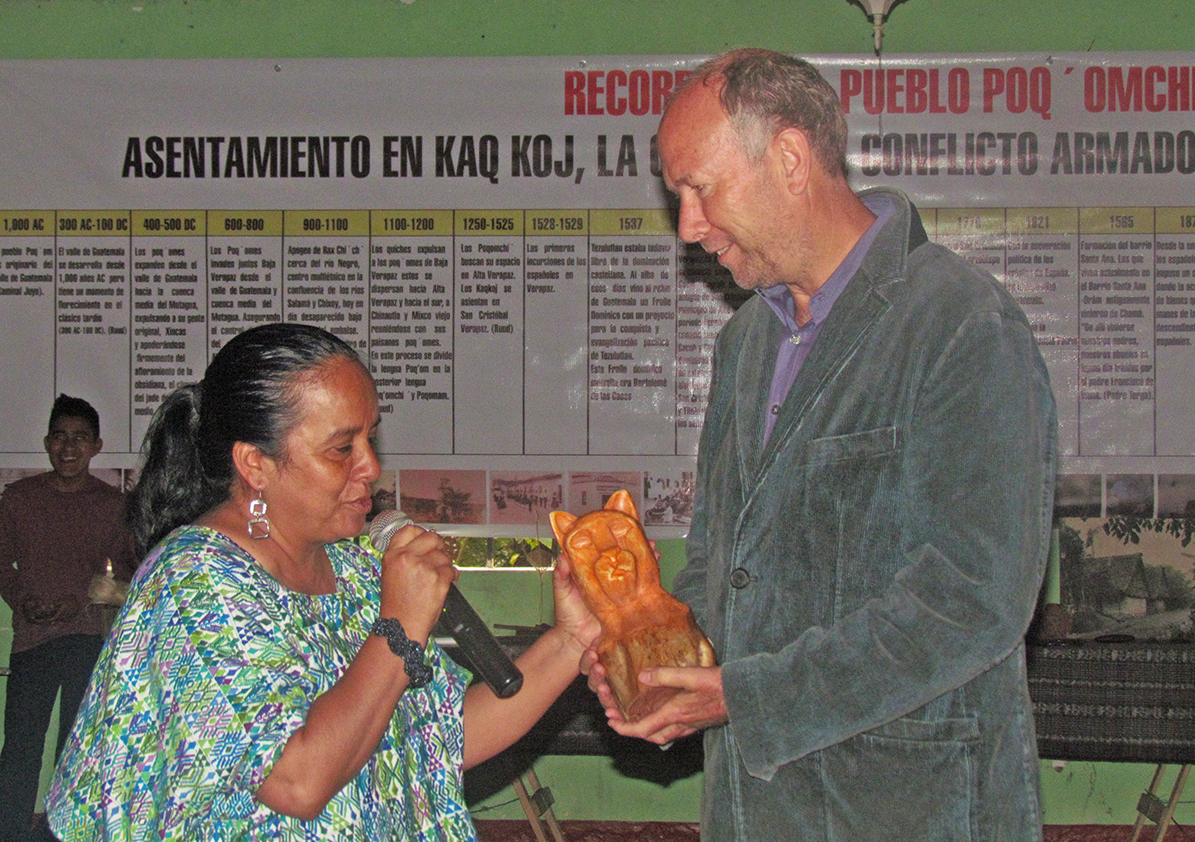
[{"x": 700, "y": 703}]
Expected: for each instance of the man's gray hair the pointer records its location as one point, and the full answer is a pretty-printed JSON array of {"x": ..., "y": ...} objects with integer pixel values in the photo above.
[{"x": 764, "y": 92}]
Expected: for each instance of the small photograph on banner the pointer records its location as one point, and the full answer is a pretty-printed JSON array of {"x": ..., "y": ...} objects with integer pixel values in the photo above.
[
  {"x": 11, "y": 475},
  {"x": 589, "y": 490},
  {"x": 667, "y": 498},
  {"x": 525, "y": 497},
  {"x": 1176, "y": 495},
  {"x": 384, "y": 494},
  {"x": 432, "y": 496},
  {"x": 1078, "y": 495},
  {"x": 1129, "y": 495},
  {"x": 1128, "y": 578},
  {"x": 112, "y": 476}
]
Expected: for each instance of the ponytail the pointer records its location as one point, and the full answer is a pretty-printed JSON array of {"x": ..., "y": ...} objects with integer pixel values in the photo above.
[{"x": 172, "y": 488}]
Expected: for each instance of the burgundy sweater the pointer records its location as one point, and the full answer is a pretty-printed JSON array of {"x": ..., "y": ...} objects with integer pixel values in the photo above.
[{"x": 51, "y": 543}]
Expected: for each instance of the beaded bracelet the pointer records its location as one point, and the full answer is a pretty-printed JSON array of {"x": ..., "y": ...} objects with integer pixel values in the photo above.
[{"x": 418, "y": 672}]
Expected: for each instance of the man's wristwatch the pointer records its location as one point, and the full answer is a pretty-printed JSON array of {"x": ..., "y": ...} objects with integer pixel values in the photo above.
[{"x": 418, "y": 672}]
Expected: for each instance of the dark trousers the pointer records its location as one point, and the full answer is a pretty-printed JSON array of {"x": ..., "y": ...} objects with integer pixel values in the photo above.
[{"x": 37, "y": 676}]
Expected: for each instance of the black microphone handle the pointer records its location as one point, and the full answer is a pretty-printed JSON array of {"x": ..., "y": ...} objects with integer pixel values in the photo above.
[
  {"x": 481, "y": 649},
  {"x": 473, "y": 637}
]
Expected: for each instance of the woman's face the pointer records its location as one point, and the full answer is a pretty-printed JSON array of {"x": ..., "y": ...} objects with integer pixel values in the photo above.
[{"x": 320, "y": 491}]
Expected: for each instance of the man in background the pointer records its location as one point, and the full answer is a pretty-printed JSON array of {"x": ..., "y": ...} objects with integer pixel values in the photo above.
[
  {"x": 58, "y": 530},
  {"x": 874, "y": 494}
]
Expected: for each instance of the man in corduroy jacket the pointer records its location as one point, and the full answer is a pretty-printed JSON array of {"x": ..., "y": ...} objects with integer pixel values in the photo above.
[{"x": 875, "y": 488}]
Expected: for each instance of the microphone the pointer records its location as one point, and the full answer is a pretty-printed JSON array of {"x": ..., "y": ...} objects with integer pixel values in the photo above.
[{"x": 487, "y": 657}]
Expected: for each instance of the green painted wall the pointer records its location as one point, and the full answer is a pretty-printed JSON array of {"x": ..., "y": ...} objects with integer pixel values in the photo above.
[
  {"x": 348, "y": 28},
  {"x": 589, "y": 788}
]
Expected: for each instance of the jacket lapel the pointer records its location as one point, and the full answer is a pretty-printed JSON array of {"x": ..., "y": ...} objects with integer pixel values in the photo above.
[
  {"x": 846, "y": 327},
  {"x": 753, "y": 382},
  {"x": 861, "y": 303}
]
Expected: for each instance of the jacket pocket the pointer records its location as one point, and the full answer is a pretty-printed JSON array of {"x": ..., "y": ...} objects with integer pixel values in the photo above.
[
  {"x": 909, "y": 779},
  {"x": 851, "y": 446}
]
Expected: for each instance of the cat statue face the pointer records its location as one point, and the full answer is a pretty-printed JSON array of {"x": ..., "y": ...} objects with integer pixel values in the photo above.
[
  {"x": 610, "y": 555},
  {"x": 643, "y": 625}
]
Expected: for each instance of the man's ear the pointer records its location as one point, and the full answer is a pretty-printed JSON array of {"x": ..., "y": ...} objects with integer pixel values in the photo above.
[
  {"x": 794, "y": 157},
  {"x": 250, "y": 463}
]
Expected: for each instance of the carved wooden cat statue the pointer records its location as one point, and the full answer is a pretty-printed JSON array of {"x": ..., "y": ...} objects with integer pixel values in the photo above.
[{"x": 642, "y": 624}]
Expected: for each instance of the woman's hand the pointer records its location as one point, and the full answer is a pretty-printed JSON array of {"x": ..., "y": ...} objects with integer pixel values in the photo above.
[
  {"x": 345, "y": 723},
  {"x": 416, "y": 573},
  {"x": 573, "y": 616}
]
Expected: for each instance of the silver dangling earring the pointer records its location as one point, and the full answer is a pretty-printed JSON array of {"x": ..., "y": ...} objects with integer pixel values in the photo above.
[{"x": 259, "y": 524}]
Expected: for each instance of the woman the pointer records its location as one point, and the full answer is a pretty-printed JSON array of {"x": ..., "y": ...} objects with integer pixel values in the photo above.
[{"x": 242, "y": 694}]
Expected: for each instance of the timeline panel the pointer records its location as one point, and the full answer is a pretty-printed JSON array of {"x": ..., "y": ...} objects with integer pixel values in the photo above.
[
  {"x": 1116, "y": 404},
  {"x": 555, "y": 289},
  {"x": 92, "y": 337},
  {"x": 1042, "y": 273},
  {"x": 632, "y": 318},
  {"x": 552, "y": 332},
  {"x": 412, "y": 352},
  {"x": 325, "y": 280},
  {"x": 27, "y": 298},
  {"x": 170, "y": 307},
  {"x": 244, "y": 272},
  {"x": 1174, "y": 329},
  {"x": 488, "y": 375}
]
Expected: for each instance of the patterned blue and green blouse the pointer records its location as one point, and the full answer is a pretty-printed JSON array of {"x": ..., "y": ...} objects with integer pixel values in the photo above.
[{"x": 210, "y": 669}]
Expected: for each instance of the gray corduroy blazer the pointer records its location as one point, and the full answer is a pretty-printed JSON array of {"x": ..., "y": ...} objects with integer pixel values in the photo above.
[{"x": 868, "y": 574}]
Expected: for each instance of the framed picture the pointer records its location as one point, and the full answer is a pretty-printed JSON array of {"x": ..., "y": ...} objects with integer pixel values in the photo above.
[{"x": 1128, "y": 578}]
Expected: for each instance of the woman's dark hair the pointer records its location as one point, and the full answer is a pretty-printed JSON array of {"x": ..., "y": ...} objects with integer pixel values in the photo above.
[{"x": 249, "y": 393}]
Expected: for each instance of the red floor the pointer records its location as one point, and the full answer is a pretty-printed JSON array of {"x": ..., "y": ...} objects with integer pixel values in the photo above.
[
  {"x": 495, "y": 830},
  {"x": 1107, "y": 833}
]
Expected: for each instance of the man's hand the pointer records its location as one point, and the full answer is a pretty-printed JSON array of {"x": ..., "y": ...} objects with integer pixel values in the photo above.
[{"x": 699, "y": 704}]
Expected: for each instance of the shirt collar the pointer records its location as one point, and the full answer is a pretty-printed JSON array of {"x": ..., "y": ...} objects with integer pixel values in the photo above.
[{"x": 780, "y": 299}]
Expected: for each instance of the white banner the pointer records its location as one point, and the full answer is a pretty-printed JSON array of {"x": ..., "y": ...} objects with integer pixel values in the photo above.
[{"x": 492, "y": 235}]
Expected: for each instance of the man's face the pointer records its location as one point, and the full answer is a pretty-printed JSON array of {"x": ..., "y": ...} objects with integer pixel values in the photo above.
[
  {"x": 736, "y": 208},
  {"x": 71, "y": 444}
]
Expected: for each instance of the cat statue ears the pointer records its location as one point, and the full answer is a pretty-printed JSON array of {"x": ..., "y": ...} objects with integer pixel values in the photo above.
[{"x": 620, "y": 501}]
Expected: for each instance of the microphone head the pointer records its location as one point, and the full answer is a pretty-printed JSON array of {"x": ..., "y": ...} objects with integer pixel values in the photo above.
[{"x": 383, "y": 527}]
